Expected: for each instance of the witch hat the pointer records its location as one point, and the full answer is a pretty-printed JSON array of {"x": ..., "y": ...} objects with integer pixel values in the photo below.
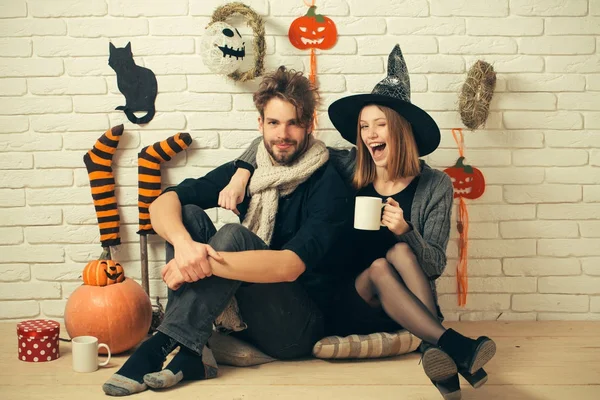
[{"x": 393, "y": 92}]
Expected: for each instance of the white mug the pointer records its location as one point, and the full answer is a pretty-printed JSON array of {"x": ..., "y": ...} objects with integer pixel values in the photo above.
[
  {"x": 367, "y": 213},
  {"x": 85, "y": 353}
]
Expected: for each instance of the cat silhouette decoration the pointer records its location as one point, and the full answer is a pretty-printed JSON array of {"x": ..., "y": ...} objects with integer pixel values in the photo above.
[{"x": 138, "y": 84}]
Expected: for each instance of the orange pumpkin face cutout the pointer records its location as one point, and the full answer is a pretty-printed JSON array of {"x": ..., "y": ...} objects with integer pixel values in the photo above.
[
  {"x": 103, "y": 273},
  {"x": 313, "y": 31},
  {"x": 468, "y": 183},
  {"x": 467, "y": 180}
]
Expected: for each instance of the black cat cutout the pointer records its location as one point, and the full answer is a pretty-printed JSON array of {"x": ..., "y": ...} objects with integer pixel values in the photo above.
[{"x": 138, "y": 84}]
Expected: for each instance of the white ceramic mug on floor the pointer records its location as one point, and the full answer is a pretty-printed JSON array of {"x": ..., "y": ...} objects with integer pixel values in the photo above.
[
  {"x": 367, "y": 213},
  {"x": 85, "y": 353}
]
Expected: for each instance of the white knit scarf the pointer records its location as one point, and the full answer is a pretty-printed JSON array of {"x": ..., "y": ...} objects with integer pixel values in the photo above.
[{"x": 269, "y": 182}]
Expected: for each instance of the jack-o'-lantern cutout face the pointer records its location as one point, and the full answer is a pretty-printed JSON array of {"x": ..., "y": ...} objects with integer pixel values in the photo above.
[
  {"x": 102, "y": 273},
  {"x": 467, "y": 180},
  {"x": 113, "y": 272},
  {"x": 313, "y": 31},
  {"x": 222, "y": 48}
]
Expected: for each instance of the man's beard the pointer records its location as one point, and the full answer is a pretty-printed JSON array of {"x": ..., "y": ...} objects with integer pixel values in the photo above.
[{"x": 287, "y": 158}]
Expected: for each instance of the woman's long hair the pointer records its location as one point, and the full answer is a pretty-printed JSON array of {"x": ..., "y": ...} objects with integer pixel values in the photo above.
[{"x": 403, "y": 155}]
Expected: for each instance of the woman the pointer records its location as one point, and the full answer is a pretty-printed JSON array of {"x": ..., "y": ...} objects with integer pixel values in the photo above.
[{"x": 393, "y": 286}]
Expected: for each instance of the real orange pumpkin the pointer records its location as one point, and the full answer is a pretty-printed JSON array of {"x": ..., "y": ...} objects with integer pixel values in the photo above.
[
  {"x": 118, "y": 315},
  {"x": 103, "y": 272}
]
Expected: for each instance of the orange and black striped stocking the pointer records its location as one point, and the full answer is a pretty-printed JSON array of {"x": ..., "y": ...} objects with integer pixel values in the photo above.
[
  {"x": 98, "y": 162},
  {"x": 149, "y": 160}
]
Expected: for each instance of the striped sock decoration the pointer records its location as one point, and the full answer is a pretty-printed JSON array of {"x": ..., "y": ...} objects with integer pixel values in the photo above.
[
  {"x": 98, "y": 162},
  {"x": 149, "y": 184}
]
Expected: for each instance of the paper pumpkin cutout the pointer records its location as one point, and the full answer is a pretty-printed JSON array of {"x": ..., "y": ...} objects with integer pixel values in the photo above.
[
  {"x": 222, "y": 48},
  {"x": 313, "y": 31},
  {"x": 468, "y": 183},
  {"x": 467, "y": 180},
  {"x": 138, "y": 84}
]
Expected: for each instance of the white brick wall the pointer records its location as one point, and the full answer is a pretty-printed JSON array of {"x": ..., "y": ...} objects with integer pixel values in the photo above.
[{"x": 534, "y": 235}]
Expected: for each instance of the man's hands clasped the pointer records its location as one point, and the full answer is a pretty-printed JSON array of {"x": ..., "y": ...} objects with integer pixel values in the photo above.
[
  {"x": 191, "y": 261},
  {"x": 190, "y": 264}
]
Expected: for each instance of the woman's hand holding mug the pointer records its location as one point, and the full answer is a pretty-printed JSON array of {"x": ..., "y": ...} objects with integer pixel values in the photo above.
[
  {"x": 393, "y": 217},
  {"x": 368, "y": 215}
]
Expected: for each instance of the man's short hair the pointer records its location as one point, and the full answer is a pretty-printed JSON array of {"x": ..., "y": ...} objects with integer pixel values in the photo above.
[{"x": 291, "y": 86}]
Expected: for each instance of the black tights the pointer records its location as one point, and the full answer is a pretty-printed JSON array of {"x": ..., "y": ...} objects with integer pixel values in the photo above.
[{"x": 398, "y": 284}]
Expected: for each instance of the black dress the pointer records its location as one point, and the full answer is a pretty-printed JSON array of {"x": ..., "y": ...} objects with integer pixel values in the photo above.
[
  {"x": 372, "y": 245},
  {"x": 349, "y": 313}
]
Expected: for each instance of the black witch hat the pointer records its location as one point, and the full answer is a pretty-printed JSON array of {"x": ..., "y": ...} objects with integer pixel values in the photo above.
[{"x": 393, "y": 92}]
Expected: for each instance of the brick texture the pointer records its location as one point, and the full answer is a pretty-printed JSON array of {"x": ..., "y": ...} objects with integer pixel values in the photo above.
[{"x": 533, "y": 235}]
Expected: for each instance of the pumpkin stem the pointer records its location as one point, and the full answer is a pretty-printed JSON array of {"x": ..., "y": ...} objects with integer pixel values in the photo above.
[
  {"x": 105, "y": 254},
  {"x": 312, "y": 12},
  {"x": 466, "y": 167}
]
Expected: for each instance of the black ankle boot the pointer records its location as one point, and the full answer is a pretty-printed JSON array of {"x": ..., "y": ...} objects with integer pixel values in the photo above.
[
  {"x": 468, "y": 354},
  {"x": 442, "y": 372}
]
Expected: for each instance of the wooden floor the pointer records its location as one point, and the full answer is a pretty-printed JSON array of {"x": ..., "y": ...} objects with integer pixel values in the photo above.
[{"x": 535, "y": 360}]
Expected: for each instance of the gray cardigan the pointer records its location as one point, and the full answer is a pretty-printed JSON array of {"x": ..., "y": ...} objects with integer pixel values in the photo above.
[{"x": 430, "y": 214}]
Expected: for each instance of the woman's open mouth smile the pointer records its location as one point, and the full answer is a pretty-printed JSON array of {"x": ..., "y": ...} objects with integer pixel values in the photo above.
[{"x": 377, "y": 150}]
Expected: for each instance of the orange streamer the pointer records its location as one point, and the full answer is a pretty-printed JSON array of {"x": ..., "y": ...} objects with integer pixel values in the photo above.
[
  {"x": 457, "y": 133},
  {"x": 313, "y": 66},
  {"x": 462, "y": 225},
  {"x": 312, "y": 77},
  {"x": 461, "y": 270}
]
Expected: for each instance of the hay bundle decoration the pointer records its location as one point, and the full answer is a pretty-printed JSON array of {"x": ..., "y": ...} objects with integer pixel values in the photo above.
[{"x": 476, "y": 95}]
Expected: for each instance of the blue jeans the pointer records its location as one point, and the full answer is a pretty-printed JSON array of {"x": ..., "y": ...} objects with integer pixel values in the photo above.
[{"x": 282, "y": 319}]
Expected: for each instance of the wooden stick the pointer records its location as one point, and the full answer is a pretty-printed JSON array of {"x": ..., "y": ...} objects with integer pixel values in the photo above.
[
  {"x": 144, "y": 257},
  {"x": 105, "y": 254}
]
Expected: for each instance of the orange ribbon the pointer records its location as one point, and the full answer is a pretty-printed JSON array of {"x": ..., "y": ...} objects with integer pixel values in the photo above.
[{"x": 462, "y": 225}]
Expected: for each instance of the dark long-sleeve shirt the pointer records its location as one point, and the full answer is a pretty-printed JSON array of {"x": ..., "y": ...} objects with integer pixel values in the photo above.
[{"x": 310, "y": 221}]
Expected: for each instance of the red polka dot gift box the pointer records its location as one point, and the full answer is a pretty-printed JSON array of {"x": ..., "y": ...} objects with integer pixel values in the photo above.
[{"x": 38, "y": 340}]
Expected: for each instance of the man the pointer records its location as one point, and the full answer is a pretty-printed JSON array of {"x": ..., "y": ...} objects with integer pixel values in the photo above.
[{"x": 277, "y": 264}]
